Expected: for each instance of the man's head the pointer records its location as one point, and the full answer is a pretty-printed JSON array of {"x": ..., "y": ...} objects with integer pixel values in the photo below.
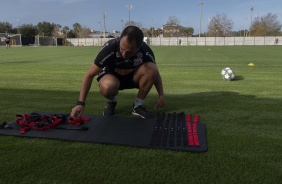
[{"x": 130, "y": 41}]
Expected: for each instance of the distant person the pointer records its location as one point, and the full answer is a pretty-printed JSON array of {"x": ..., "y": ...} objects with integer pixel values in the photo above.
[
  {"x": 179, "y": 41},
  {"x": 7, "y": 40},
  {"x": 123, "y": 63},
  {"x": 276, "y": 41}
]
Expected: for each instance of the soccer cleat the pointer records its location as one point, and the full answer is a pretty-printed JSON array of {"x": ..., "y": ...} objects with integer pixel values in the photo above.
[
  {"x": 142, "y": 112},
  {"x": 110, "y": 109}
]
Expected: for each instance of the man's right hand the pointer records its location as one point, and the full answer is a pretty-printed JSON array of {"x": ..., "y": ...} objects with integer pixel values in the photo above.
[{"x": 77, "y": 112}]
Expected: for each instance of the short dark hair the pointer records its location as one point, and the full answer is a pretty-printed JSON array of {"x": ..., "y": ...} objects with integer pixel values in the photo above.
[{"x": 133, "y": 33}]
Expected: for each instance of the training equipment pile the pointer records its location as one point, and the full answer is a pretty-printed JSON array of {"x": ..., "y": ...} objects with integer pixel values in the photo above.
[{"x": 172, "y": 131}]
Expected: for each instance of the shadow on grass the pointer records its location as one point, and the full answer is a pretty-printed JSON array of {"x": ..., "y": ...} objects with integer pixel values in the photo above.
[
  {"x": 218, "y": 105},
  {"x": 238, "y": 78}
]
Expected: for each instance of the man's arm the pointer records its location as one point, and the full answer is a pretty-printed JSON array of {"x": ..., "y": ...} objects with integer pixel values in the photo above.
[
  {"x": 84, "y": 89},
  {"x": 87, "y": 81},
  {"x": 159, "y": 86}
]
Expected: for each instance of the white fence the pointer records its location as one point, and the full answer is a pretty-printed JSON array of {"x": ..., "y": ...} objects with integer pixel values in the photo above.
[
  {"x": 86, "y": 41},
  {"x": 187, "y": 41}
]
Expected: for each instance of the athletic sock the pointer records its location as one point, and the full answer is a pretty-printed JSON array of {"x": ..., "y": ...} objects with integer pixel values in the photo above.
[
  {"x": 114, "y": 99},
  {"x": 138, "y": 102}
]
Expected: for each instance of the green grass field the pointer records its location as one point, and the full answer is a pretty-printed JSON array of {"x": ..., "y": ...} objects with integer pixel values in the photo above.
[{"x": 243, "y": 117}]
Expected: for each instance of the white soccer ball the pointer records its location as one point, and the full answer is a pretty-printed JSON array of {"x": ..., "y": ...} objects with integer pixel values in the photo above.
[{"x": 227, "y": 73}]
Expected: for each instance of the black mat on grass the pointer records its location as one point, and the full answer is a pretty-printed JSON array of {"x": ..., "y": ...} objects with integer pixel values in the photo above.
[{"x": 166, "y": 131}]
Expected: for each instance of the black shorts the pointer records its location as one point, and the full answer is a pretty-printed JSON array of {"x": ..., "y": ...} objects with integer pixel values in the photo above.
[
  {"x": 126, "y": 81},
  {"x": 7, "y": 42}
]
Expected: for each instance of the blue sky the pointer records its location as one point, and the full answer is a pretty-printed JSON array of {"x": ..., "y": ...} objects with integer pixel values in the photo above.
[{"x": 150, "y": 13}]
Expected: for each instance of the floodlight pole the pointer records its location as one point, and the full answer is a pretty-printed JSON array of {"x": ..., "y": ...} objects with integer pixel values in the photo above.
[
  {"x": 252, "y": 9},
  {"x": 245, "y": 27},
  {"x": 129, "y": 7},
  {"x": 19, "y": 21},
  {"x": 104, "y": 25},
  {"x": 19, "y": 25},
  {"x": 121, "y": 25},
  {"x": 201, "y": 4},
  {"x": 152, "y": 30},
  {"x": 66, "y": 38},
  {"x": 99, "y": 27}
]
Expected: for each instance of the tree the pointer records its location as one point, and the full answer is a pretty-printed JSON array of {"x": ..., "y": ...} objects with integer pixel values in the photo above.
[
  {"x": 152, "y": 32},
  {"x": 220, "y": 25},
  {"x": 267, "y": 25},
  {"x": 240, "y": 32},
  {"x": 76, "y": 28},
  {"x": 65, "y": 31},
  {"x": 5, "y": 27},
  {"x": 186, "y": 31},
  {"x": 78, "y": 31},
  {"x": 45, "y": 28},
  {"x": 57, "y": 31},
  {"x": 84, "y": 32},
  {"x": 172, "y": 20},
  {"x": 71, "y": 34},
  {"x": 27, "y": 30},
  {"x": 159, "y": 31}
]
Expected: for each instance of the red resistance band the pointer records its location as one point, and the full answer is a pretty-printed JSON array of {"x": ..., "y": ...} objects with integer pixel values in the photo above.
[
  {"x": 44, "y": 122},
  {"x": 79, "y": 121},
  {"x": 193, "y": 139}
]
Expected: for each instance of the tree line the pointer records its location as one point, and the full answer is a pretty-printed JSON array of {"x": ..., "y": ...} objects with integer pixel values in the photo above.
[
  {"x": 219, "y": 25},
  {"x": 46, "y": 29},
  {"x": 268, "y": 25}
]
